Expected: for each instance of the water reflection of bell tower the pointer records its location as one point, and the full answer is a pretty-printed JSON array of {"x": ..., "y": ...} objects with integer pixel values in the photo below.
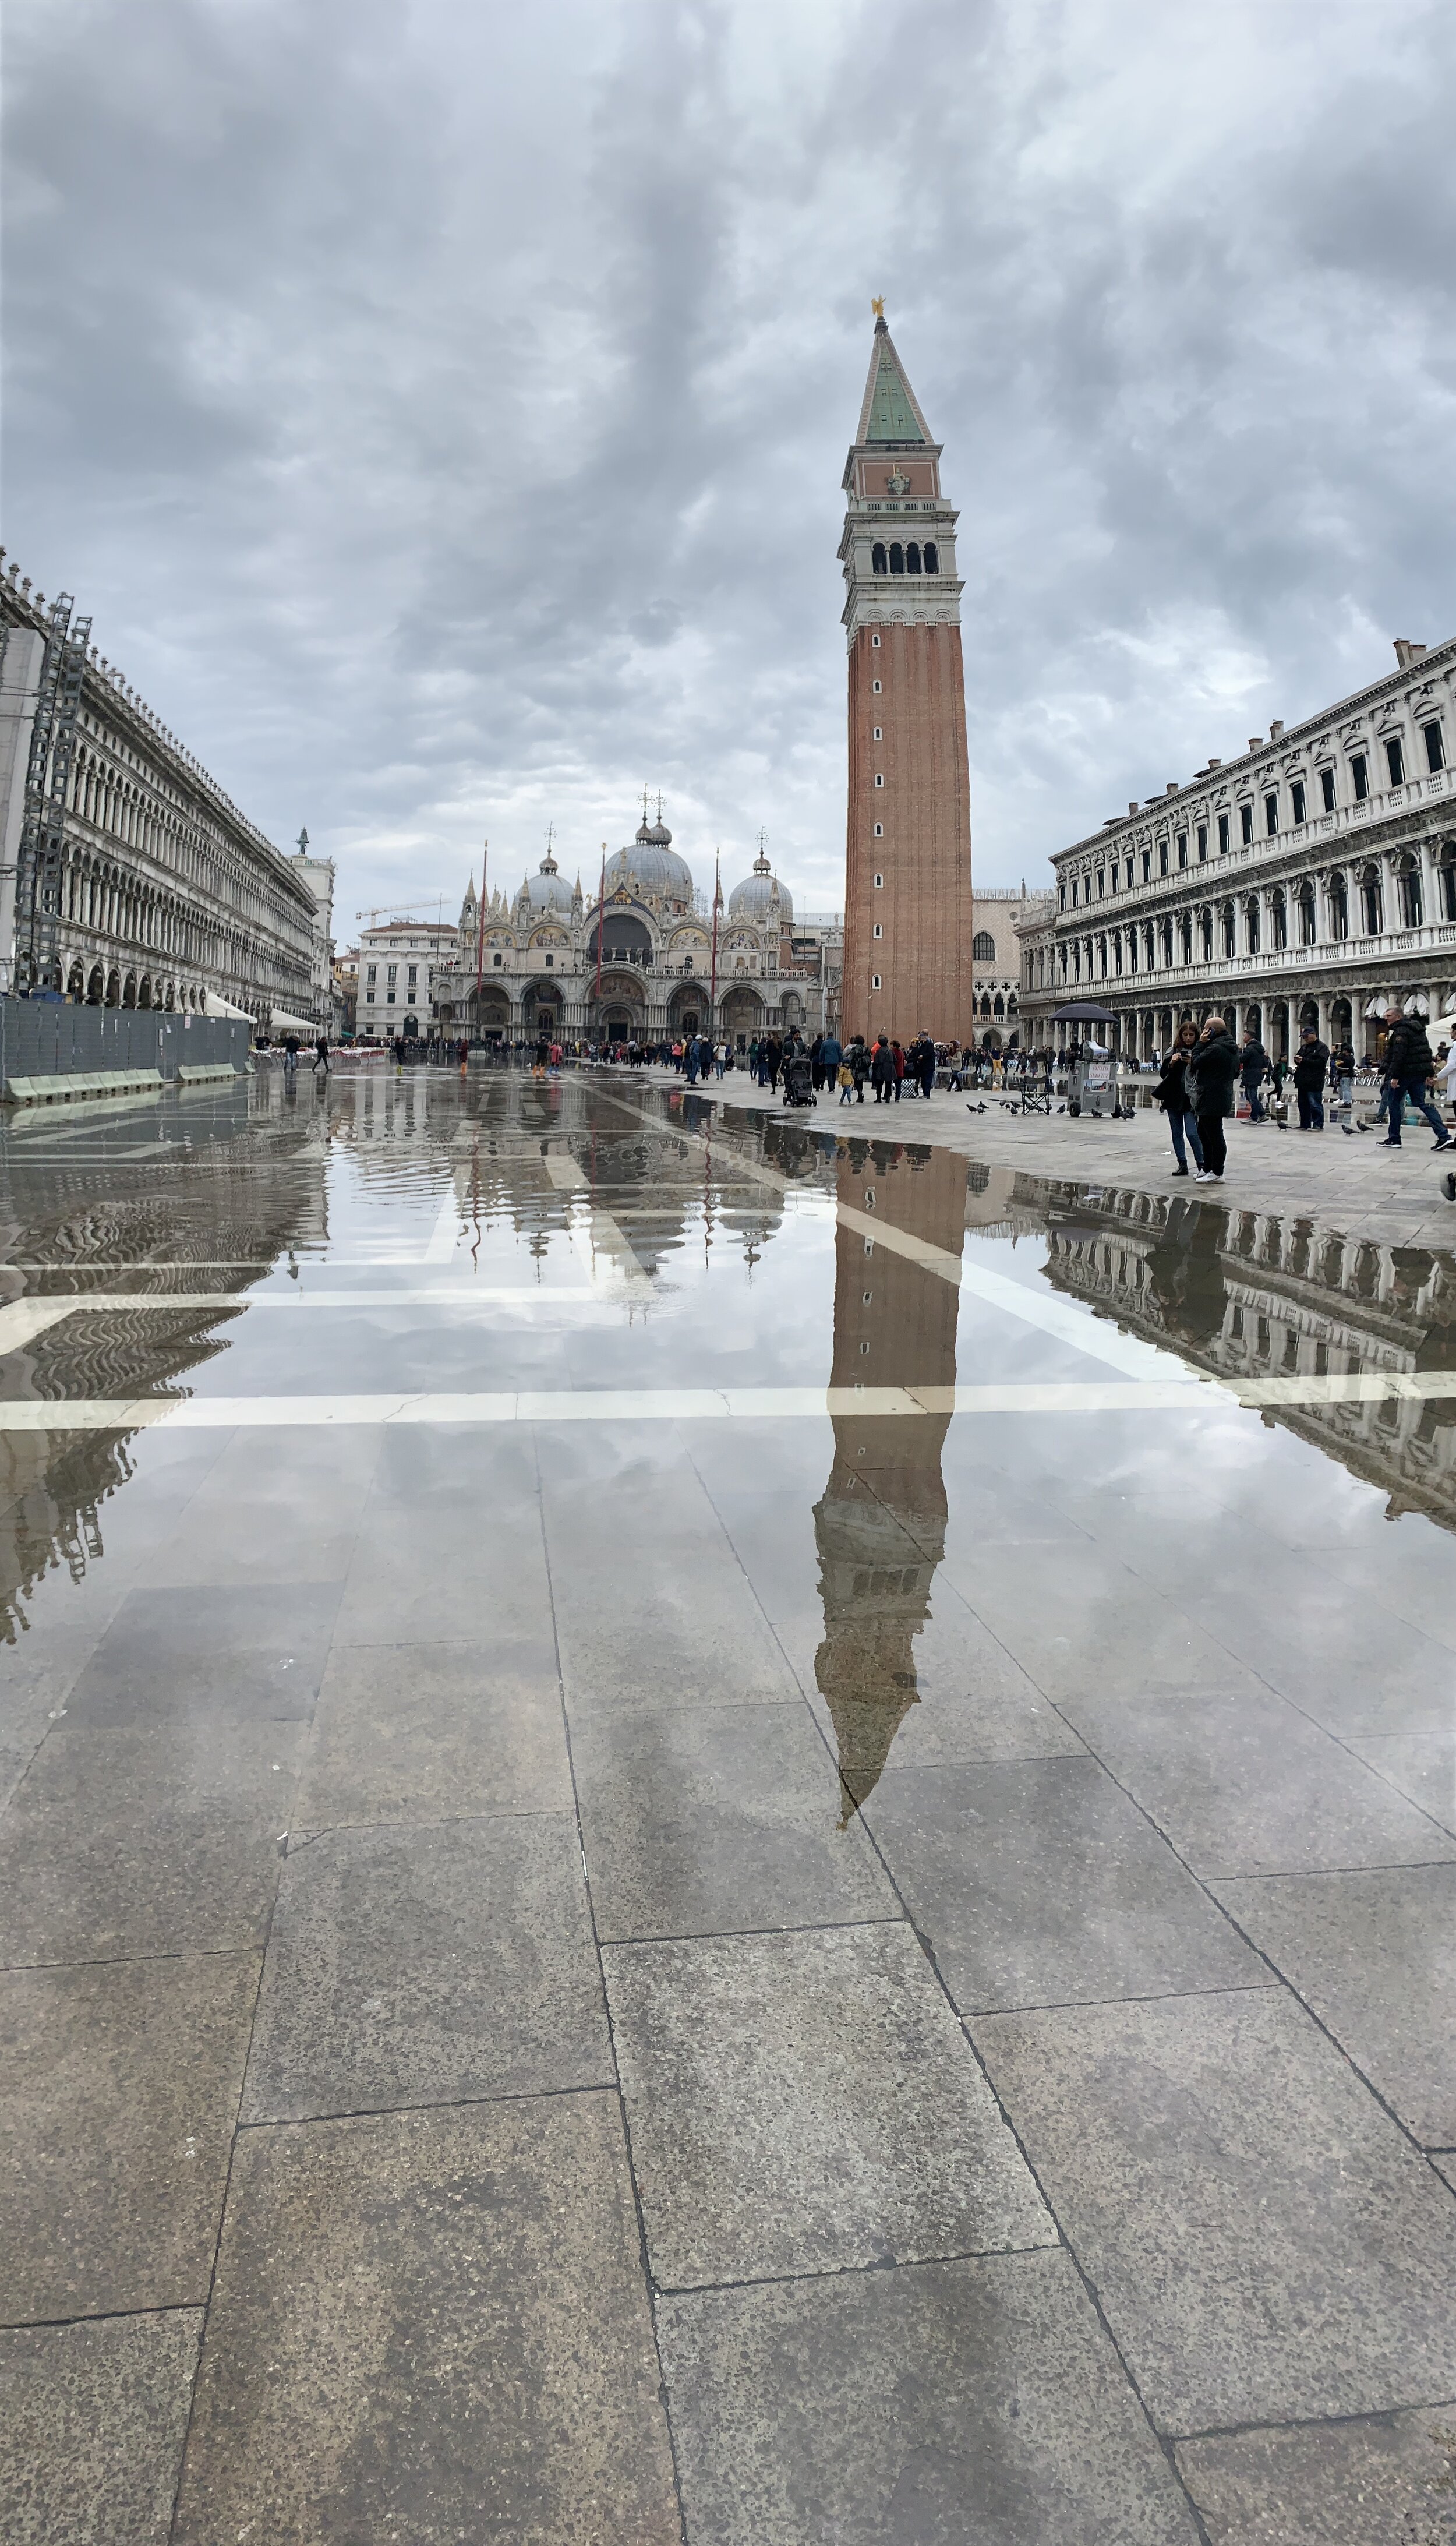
[{"x": 880, "y": 1524}]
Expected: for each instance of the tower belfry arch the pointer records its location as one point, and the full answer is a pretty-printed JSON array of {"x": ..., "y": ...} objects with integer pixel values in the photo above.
[{"x": 908, "y": 912}]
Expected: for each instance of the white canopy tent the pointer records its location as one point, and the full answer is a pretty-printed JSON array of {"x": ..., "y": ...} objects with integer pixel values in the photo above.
[
  {"x": 281, "y": 1023},
  {"x": 214, "y": 1005}
]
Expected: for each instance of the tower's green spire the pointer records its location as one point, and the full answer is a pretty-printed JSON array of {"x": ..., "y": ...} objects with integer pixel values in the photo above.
[{"x": 889, "y": 412}]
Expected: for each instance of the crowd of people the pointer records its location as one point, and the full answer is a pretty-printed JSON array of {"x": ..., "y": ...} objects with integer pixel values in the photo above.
[{"x": 1208, "y": 1078}]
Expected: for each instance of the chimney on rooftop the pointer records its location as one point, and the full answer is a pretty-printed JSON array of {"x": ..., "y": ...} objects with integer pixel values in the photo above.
[
  {"x": 1255, "y": 742},
  {"x": 1133, "y": 807},
  {"x": 1216, "y": 764},
  {"x": 1408, "y": 653},
  {"x": 1170, "y": 787},
  {"x": 1276, "y": 729}
]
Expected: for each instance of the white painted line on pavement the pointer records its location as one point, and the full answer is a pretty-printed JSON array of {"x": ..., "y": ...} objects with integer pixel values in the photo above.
[{"x": 695, "y": 1404}]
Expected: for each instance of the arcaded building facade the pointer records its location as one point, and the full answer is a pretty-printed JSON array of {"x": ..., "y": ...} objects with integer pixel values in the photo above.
[
  {"x": 908, "y": 912},
  {"x": 128, "y": 877},
  {"x": 1312, "y": 880}
]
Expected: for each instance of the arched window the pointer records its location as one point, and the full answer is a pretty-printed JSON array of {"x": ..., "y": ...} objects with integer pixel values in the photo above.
[
  {"x": 912, "y": 557},
  {"x": 1305, "y": 897},
  {"x": 1185, "y": 932},
  {"x": 1226, "y": 916},
  {"x": 1407, "y": 885},
  {"x": 1447, "y": 873},
  {"x": 998, "y": 1005},
  {"x": 1371, "y": 902},
  {"x": 983, "y": 947},
  {"x": 896, "y": 559},
  {"x": 878, "y": 559},
  {"x": 1279, "y": 920},
  {"x": 1340, "y": 905},
  {"x": 932, "y": 557},
  {"x": 1165, "y": 933},
  {"x": 986, "y": 1004},
  {"x": 1205, "y": 926},
  {"x": 1252, "y": 926}
]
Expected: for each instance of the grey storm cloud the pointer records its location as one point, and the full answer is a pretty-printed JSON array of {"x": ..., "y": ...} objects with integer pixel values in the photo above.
[{"x": 441, "y": 407}]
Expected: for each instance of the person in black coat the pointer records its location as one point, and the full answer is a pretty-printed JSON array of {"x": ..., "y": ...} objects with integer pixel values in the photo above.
[
  {"x": 1209, "y": 1073},
  {"x": 1409, "y": 1069},
  {"x": 1311, "y": 1061},
  {"x": 1172, "y": 1095}
]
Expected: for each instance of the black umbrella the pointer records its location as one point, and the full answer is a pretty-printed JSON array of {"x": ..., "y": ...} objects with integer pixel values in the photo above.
[{"x": 1085, "y": 1012}]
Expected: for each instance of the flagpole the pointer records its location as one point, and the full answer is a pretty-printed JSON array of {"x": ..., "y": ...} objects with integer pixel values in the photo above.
[
  {"x": 716, "y": 907},
  {"x": 601, "y": 922},
  {"x": 480, "y": 932}
]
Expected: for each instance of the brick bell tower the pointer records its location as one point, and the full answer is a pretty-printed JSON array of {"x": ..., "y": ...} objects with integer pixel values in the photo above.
[{"x": 907, "y": 925}]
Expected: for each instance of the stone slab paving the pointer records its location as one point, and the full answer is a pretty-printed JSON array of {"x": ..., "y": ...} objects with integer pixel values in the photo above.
[{"x": 830, "y": 1978}]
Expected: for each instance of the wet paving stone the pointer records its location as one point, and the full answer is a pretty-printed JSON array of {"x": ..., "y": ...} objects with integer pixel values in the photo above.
[
  {"x": 427, "y": 1966},
  {"x": 1266, "y": 2242},
  {"x": 92, "y": 2422},
  {"x": 119, "y": 2093},
  {"x": 429, "y": 2324},
  {"x": 952, "y": 2400},
  {"x": 806, "y": 2103}
]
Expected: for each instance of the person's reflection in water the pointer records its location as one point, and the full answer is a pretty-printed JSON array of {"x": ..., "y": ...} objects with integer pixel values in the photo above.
[{"x": 880, "y": 1524}]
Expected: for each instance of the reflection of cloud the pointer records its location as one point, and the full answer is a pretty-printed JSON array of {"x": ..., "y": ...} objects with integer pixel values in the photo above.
[{"x": 879, "y": 1523}]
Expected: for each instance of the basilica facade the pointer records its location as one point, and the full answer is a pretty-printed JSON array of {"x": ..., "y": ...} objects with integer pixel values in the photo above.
[{"x": 635, "y": 959}]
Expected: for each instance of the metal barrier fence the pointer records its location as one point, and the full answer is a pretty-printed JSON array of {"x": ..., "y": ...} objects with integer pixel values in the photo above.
[{"x": 42, "y": 1038}]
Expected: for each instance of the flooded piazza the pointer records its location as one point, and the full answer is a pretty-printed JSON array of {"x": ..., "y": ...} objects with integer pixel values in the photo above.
[{"x": 717, "y": 1828}]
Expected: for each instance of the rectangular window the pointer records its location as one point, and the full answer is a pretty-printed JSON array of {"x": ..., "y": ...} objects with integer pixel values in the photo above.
[
  {"x": 1074, "y": 892},
  {"x": 1222, "y": 833},
  {"x": 413, "y": 972},
  {"x": 370, "y": 976},
  {"x": 1245, "y": 823},
  {"x": 1435, "y": 749},
  {"x": 1395, "y": 760},
  {"x": 879, "y": 830},
  {"x": 1271, "y": 814},
  {"x": 497, "y": 959},
  {"x": 1327, "y": 790},
  {"x": 879, "y": 880},
  {"x": 388, "y": 998},
  {"x": 879, "y": 781},
  {"x": 878, "y": 931},
  {"x": 1061, "y": 896},
  {"x": 879, "y": 734},
  {"x": 1360, "y": 773},
  {"x": 1130, "y": 874},
  {"x": 1296, "y": 801},
  {"x": 1182, "y": 848},
  {"x": 874, "y": 641},
  {"x": 1162, "y": 857},
  {"x": 1147, "y": 866},
  {"x": 1101, "y": 883},
  {"x": 874, "y": 976},
  {"x": 874, "y": 686},
  {"x": 1202, "y": 843},
  {"x": 551, "y": 959}
]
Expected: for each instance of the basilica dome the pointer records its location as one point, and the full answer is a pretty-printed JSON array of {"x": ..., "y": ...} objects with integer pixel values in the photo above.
[
  {"x": 758, "y": 892},
  {"x": 548, "y": 890},
  {"x": 654, "y": 862}
]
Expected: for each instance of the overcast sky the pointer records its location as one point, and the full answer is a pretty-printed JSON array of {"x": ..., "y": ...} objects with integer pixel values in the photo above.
[{"x": 441, "y": 407}]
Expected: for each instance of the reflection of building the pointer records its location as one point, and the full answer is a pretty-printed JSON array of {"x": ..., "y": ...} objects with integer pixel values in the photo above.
[
  {"x": 127, "y": 879},
  {"x": 1312, "y": 880},
  {"x": 908, "y": 917},
  {"x": 54, "y": 1486},
  {"x": 879, "y": 1523},
  {"x": 1247, "y": 1296},
  {"x": 537, "y": 970}
]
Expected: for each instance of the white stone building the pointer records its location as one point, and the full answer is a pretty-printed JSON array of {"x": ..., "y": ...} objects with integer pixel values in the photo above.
[
  {"x": 1313, "y": 878},
  {"x": 528, "y": 963},
  {"x": 401, "y": 968},
  {"x": 127, "y": 879}
]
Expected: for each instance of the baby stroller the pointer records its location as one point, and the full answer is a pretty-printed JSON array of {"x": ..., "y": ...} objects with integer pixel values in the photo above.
[{"x": 799, "y": 1081}]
